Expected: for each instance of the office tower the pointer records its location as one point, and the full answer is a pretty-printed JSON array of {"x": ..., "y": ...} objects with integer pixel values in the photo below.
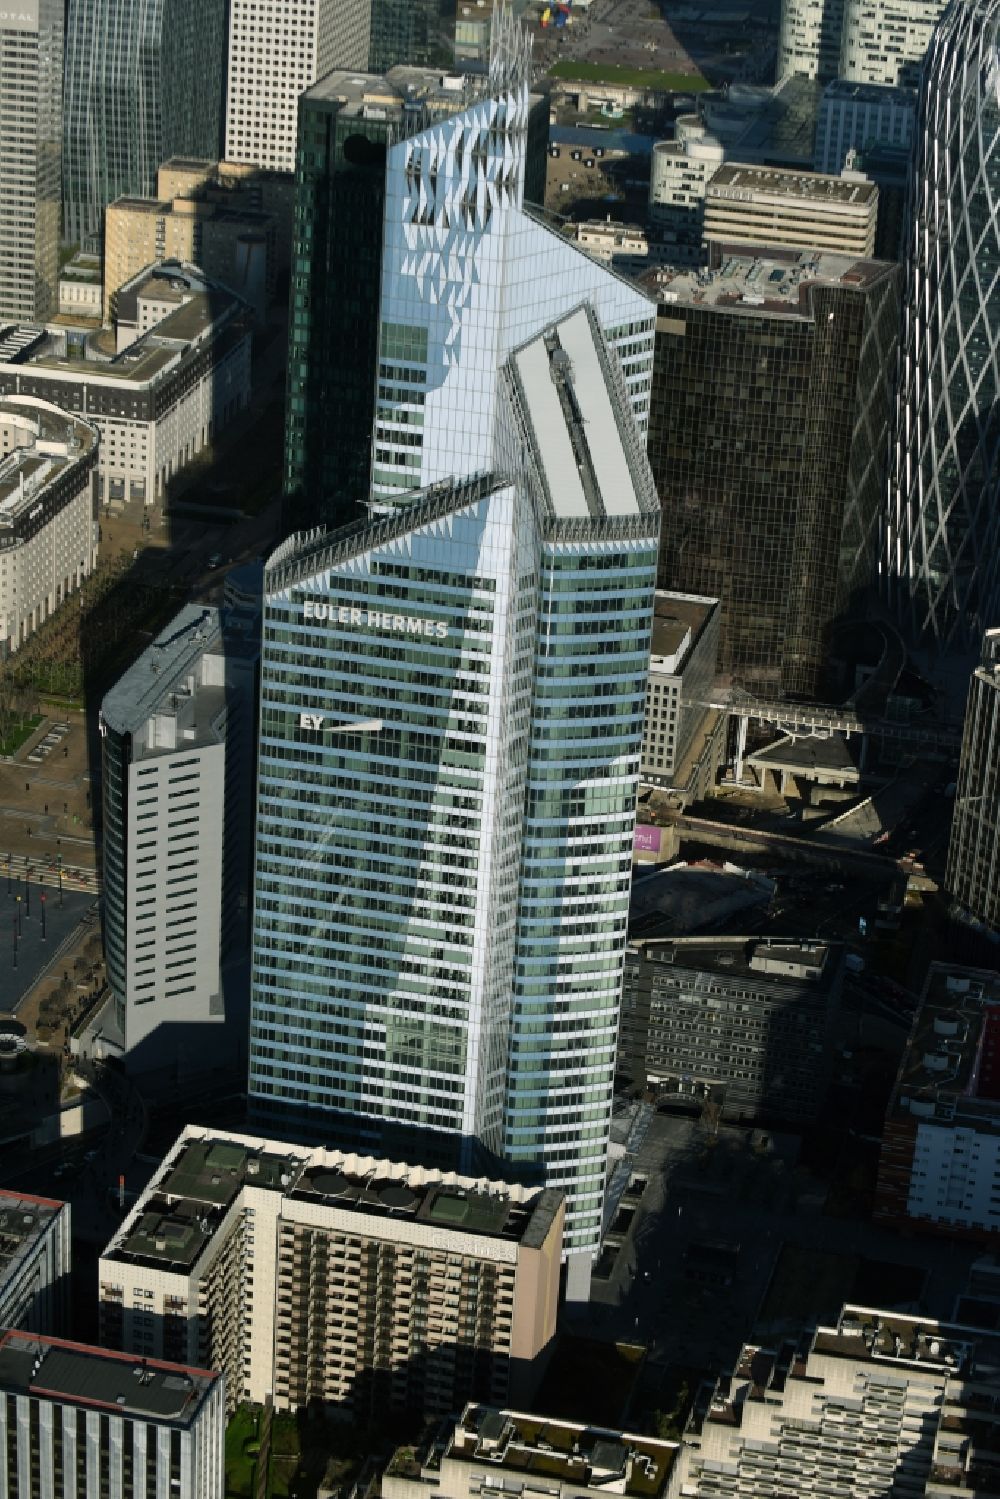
[
  {"x": 684, "y": 652},
  {"x": 48, "y": 493},
  {"x": 940, "y": 1157},
  {"x": 444, "y": 840},
  {"x": 876, "y": 1403},
  {"x": 345, "y": 125},
  {"x": 744, "y": 1023},
  {"x": 471, "y": 1453},
  {"x": 942, "y": 559},
  {"x": 34, "y": 1262},
  {"x": 771, "y": 398},
  {"x": 412, "y": 33},
  {"x": 312, "y": 1277},
  {"x": 855, "y": 117},
  {"x": 31, "y": 69},
  {"x": 973, "y": 874},
  {"x": 277, "y": 50},
  {"x": 180, "y": 376},
  {"x": 886, "y": 41},
  {"x": 99, "y": 1425},
  {"x": 809, "y": 39},
  {"x": 177, "y": 770},
  {"x": 144, "y": 80},
  {"x": 749, "y": 205},
  {"x": 679, "y": 172}
]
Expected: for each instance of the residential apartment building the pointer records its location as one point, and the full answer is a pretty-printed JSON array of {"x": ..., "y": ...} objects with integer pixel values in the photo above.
[
  {"x": 177, "y": 751},
  {"x": 684, "y": 652},
  {"x": 497, "y": 1450},
  {"x": 767, "y": 440},
  {"x": 277, "y": 50},
  {"x": 886, "y": 41},
  {"x": 858, "y": 117},
  {"x": 34, "y": 1262},
  {"x": 144, "y": 80},
  {"x": 972, "y": 878},
  {"x": 876, "y": 1403},
  {"x": 679, "y": 172},
  {"x": 743, "y": 1022},
  {"x": 99, "y": 1425},
  {"x": 940, "y": 1163},
  {"x": 319, "y": 1277},
  {"x": 180, "y": 375},
  {"x": 345, "y": 125},
  {"x": 48, "y": 529},
  {"x": 749, "y": 205},
  {"x": 31, "y": 73}
]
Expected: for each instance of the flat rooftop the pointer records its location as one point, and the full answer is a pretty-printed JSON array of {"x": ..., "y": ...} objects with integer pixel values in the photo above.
[
  {"x": 768, "y": 282},
  {"x": 617, "y": 1462},
  {"x": 392, "y": 90},
  {"x": 740, "y": 182},
  {"x": 815, "y": 963},
  {"x": 162, "y": 668},
  {"x": 205, "y": 1173},
  {"x": 675, "y": 615},
  {"x": 870, "y": 93},
  {"x": 27, "y": 471},
  {"x": 23, "y": 1221},
  {"x": 876, "y": 1336},
  {"x": 75, "y": 1374},
  {"x": 946, "y": 1073}
]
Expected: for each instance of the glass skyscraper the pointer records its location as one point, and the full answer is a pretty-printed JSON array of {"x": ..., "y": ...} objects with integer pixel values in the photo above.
[
  {"x": 943, "y": 545},
  {"x": 144, "y": 80},
  {"x": 452, "y": 699}
]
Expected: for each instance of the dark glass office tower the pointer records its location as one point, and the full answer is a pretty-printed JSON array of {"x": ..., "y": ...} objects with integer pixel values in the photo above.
[
  {"x": 943, "y": 543},
  {"x": 346, "y": 122},
  {"x": 767, "y": 438},
  {"x": 414, "y": 32},
  {"x": 144, "y": 80}
]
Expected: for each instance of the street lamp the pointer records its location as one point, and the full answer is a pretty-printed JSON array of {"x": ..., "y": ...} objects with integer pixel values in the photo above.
[
  {"x": 42, "y": 899},
  {"x": 59, "y": 866},
  {"x": 27, "y": 892}
]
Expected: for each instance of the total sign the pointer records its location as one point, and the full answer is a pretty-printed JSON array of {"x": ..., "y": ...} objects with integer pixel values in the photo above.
[{"x": 21, "y": 15}]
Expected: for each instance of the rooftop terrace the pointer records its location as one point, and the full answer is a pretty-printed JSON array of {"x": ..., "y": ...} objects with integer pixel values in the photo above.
[
  {"x": 943, "y": 1074},
  {"x": 23, "y": 1220},
  {"x": 740, "y": 182},
  {"x": 675, "y": 616},
  {"x": 78, "y": 1375},
  {"x": 205, "y": 1173},
  {"x": 878, "y": 1336},
  {"x": 775, "y": 281}
]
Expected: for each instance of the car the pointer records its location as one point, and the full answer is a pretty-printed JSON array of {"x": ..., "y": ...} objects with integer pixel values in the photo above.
[{"x": 215, "y": 560}]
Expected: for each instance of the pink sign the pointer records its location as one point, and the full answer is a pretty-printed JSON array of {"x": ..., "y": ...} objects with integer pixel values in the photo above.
[{"x": 647, "y": 840}]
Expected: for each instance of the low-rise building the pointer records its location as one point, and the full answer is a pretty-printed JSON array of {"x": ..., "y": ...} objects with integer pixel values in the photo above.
[
  {"x": 751, "y": 205},
  {"x": 940, "y": 1163},
  {"x": 685, "y": 649},
  {"x": 855, "y": 117},
  {"x": 741, "y": 1021},
  {"x": 680, "y": 171},
  {"x": 177, "y": 736},
  {"x": 876, "y": 1404},
  {"x": 99, "y": 1425},
  {"x": 48, "y": 532},
  {"x": 80, "y": 288},
  {"x": 491, "y": 1451},
  {"x": 179, "y": 373},
  {"x": 351, "y": 1282},
  {"x": 34, "y": 1262}
]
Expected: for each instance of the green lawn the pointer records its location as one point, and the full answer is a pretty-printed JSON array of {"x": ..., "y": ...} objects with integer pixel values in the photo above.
[
  {"x": 15, "y": 736},
  {"x": 649, "y": 78},
  {"x": 241, "y": 1463}
]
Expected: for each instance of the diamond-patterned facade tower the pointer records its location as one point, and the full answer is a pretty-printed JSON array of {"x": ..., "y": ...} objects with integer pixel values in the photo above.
[{"x": 942, "y": 559}]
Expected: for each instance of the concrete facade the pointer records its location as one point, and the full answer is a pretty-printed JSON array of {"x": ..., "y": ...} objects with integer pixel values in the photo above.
[
  {"x": 345, "y": 1280},
  {"x": 177, "y": 735},
  {"x": 31, "y": 78},
  {"x": 749, "y": 205},
  {"x": 857, "y": 117},
  {"x": 48, "y": 533},
  {"x": 34, "y": 1262},
  {"x": 179, "y": 376},
  {"x": 682, "y": 664}
]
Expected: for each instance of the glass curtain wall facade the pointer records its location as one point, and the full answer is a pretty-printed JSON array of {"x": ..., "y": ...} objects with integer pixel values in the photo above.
[
  {"x": 412, "y": 32},
  {"x": 973, "y": 874},
  {"x": 31, "y": 67},
  {"x": 767, "y": 441},
  {"x": 943, "y": 544},
  {"x": 144, "y": 81}
]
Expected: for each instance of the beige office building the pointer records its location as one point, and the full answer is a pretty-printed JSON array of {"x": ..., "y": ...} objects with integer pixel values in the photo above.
[
  {"x": 310, "y": 1275},
  {"x": 48, "y": 534},
  {"x": 750, "y": 205},
  {"x": 277, "y": 50}
]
